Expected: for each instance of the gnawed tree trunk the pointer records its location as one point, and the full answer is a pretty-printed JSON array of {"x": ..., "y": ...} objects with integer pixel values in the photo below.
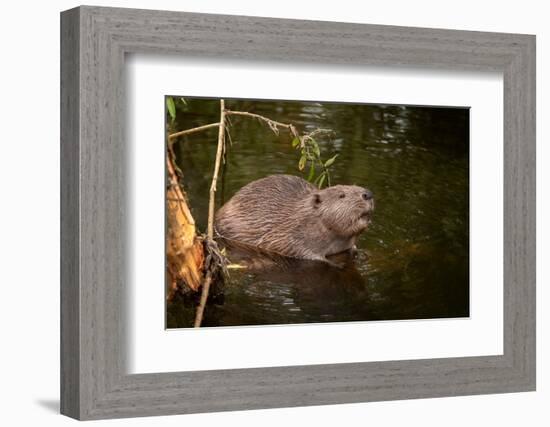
[{"x": 184, "y": 249}]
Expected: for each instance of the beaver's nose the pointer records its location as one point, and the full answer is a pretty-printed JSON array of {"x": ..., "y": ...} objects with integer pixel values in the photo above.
[{"x": 367, "y": 195}]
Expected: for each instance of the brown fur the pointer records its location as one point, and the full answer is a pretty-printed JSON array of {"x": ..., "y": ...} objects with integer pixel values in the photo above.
[{"x": 289, "y": 216}]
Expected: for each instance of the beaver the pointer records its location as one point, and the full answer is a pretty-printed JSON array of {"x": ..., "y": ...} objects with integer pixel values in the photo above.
[{"x": 289, "y": 216}]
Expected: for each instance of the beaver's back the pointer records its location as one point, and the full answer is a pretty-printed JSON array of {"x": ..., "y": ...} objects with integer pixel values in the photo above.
[{"x": 261, "y": 207}]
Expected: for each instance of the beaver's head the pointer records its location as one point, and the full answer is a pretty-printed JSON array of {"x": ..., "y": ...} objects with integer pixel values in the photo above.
[{"x": 344, "y": 209}]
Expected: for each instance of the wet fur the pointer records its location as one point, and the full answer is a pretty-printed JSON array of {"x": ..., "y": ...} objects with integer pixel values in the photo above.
[{"x": 289, "y": 216}]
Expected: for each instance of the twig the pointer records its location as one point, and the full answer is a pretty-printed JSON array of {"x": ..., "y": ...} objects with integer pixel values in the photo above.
[
  {"x": 317, "y": 132},
  {"x": 193, "y": 130},
  {"x": 273, "y": 124},
  {"x": 204, "y": 297},
  {"x": 219, "y": 152},
  {"x": 211, "y": 203}
]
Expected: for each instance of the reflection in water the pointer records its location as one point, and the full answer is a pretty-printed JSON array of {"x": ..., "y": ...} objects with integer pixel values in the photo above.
[{"x": 414, "y": 260}]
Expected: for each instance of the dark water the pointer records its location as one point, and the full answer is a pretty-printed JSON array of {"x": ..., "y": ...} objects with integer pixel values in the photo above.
[{"x": 412, "y": 263}]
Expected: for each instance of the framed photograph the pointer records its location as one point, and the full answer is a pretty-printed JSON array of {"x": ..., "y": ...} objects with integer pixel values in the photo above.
[
  {"x": 261, "y": 213},
  {"x": 296, "y": 215}
]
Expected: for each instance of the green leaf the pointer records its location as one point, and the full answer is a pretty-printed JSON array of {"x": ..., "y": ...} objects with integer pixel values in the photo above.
[
  {"x": 330, "y": 161},
  {"x": 171, "y": 106},
  {"x": 295, "y": 142},
  {"x": 319, "y": 177},
  {"x": 311, "y": 172},
  {"x": 321, "y": 181},
  {"x": 316, "y": 149},
  {"x": 302, "y": 162},
  {"x": 182, "y": 99}
]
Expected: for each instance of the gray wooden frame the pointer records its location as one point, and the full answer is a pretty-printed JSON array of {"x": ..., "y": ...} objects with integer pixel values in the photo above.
[{"x": 94, "y": 41}]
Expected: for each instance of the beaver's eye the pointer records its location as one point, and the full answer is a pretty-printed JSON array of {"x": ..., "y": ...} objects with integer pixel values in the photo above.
[{"x": 341, "y": 196}]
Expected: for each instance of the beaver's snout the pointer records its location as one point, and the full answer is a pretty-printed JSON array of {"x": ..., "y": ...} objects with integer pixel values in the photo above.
[
  {"x": 368, "y": 198},
  {"x": 367, "y": 195}
]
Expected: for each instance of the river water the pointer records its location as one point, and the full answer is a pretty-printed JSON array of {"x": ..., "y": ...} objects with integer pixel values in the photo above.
[{"x": 412, "y": 263}]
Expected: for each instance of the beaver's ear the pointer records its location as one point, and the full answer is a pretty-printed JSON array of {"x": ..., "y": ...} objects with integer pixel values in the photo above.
[{"x": 316, "y": 199}]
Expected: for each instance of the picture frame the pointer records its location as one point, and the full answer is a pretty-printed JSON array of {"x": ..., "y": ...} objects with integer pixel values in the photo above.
[{"x": 94, "y": 267}]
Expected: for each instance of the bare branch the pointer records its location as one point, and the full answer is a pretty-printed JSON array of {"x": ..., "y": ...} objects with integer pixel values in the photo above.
[
  {"x": 204, "y": 297},
  {"x": 317, "y": 132},
  {"x": 211, "y": 205},
  {"x": 213, "y": 186},
  {"x": 273, "y": 124},
  {"x": 193, "y": 130}
]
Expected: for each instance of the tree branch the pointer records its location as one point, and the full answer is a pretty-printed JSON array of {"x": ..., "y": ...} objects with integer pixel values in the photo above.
[
  {"x": 273, "y": 124},
  {"x": 193, "y": 130},
  {"x": 213, "y": 186},
  {"x": 211, "y": 205}
]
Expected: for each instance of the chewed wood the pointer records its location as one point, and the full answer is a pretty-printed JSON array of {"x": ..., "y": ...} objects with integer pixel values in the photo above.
[{"x": 94, "y": 237}]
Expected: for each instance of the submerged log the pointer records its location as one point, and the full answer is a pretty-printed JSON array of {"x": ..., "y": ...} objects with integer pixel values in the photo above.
[{"x": 184, "y": 249}]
